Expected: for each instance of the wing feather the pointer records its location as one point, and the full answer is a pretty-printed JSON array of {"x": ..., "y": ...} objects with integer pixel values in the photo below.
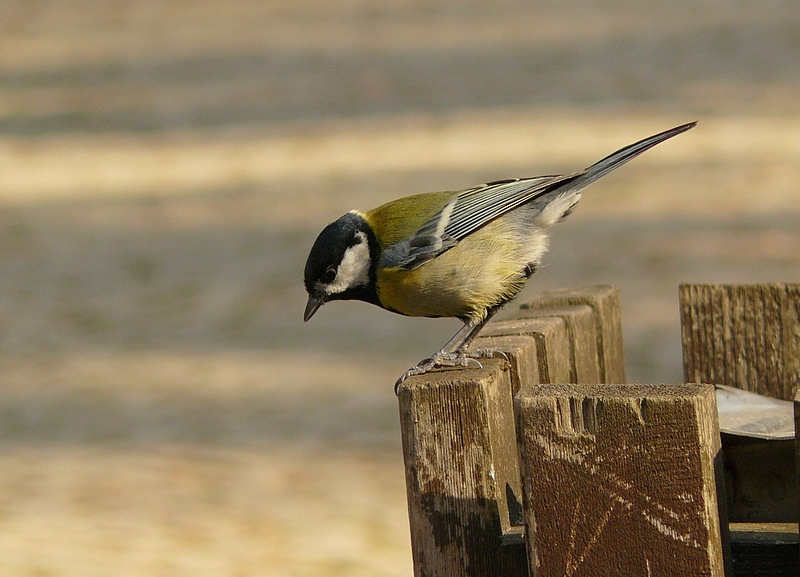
[
  {"x": 475, "y": 207},
  {"x": 469, "y": 211},
  {"x": 478, "y": 206}
]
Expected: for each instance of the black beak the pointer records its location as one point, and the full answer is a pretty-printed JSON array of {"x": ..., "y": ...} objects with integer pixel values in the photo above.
[{"x": 314, "y": 302}]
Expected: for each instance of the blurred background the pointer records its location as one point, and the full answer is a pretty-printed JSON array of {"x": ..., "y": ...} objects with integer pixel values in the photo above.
[{"x": 166, "y": 165}]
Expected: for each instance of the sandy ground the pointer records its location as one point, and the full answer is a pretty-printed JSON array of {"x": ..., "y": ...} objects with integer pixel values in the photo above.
[{"x": 165, "y": 166}]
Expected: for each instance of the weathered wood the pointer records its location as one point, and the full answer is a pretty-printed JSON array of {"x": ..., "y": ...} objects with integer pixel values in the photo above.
[
  {"x": 521, "y": 352},
  {"x": 744, "y": 336},
  {"x": 796, "y": 487},
  {"x": 582, "y": 334},
  {"x": 620, "y": 479},
  {"x": 461, "y": 472},
  {"x": 764, "y": 533},
  {"x": 552, "y": 344},
  {"x": 604, "y": 301},
  {"x": 764, "y": 549}
]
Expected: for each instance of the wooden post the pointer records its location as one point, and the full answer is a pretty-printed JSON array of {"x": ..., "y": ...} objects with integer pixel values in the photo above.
[
  {"x": 461, "y": 470},
  {"x": 748, "y": 336},
  {"x": 552, "y": 344},
  {"x": 620, "y": 480},
  {"x": 745, "y": 336},
  {"x": 604, "y": 302},
  {"x": 582, "y": 337},
  {"x": 458, "y": 429},
  {"x": 521, "y": 353},
  {"x": 797, "y": 458}
]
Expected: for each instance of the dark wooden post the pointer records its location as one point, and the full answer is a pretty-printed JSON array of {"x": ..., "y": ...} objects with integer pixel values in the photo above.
[
  {"x": 604, "y": 302},
  {"x": 619, "y": 479},
  {"x": 745, "y": 336}
]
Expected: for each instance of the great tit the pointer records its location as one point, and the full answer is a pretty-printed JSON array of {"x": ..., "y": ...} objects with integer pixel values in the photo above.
[{"x": 460, "y": 254}]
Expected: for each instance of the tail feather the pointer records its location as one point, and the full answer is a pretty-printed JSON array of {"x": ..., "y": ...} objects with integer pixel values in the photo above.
[{"x": 623, "y": 155}]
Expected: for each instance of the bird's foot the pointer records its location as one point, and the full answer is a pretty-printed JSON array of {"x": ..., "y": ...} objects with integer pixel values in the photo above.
[
  {"x": 440, "y": 359},
  {"x": 459, "y": 358}
]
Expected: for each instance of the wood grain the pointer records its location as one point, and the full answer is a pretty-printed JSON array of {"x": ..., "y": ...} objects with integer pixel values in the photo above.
[
  {"x": 552, "y": 344},
  {"x": 582, "y": 337},
  {"x": 521, "y": 353},
  {"x": 619, "y": 480},
  {"x": 745, "y": 336},
  {"x": 462, "y": 475},
  {"x": 604, "y": 301}
]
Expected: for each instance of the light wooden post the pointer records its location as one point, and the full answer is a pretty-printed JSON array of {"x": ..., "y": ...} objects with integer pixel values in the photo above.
[
  {"x": 580, "y": 322},
  {"x": 458, "y": 429},
  {"x": 604, "y": 302},
  {"x": 552, "y": 344},
  {"x": 748, "y": 337},
  {"x": 745, "y": 336},
  {"x": 620, "y": 479},
  {"x": 797, "y": 460},
  {"x": 461, "y": 472},
  {"x": 521, "y": 351}
]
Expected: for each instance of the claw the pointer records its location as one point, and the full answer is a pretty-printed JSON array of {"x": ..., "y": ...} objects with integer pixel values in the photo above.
[
  {"x": 488, "y": 354},
  {"x": 466, "y": 361}
]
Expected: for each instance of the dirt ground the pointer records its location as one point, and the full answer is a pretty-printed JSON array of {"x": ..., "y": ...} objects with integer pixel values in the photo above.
[{"x": 165, "y": 167}]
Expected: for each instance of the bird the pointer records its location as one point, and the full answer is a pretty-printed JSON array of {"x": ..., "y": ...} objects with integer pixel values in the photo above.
[{"x": 461, "y": 254}]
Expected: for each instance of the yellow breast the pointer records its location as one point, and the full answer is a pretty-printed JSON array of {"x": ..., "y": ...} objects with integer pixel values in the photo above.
[{"x": 483, "y": 270}]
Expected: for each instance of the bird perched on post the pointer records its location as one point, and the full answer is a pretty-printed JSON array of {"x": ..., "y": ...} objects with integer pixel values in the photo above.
[{"x": 460, "y": 254}]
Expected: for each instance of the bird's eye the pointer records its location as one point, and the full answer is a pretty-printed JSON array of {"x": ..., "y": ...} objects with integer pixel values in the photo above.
[{"x": 328, "y": 276}]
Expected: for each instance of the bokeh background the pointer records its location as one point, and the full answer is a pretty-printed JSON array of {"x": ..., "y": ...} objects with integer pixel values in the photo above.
[{"x": 166, "y": 165}]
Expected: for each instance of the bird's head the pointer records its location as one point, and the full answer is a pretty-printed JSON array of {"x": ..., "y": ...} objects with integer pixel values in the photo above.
[{"x": 340, "y": 264}]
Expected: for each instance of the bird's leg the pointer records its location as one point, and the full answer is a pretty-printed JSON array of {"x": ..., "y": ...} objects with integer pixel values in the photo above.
[
  {"x": 455, "y": 353},
  {"x": 462, "y": 350},
  {"x": 448, "y": 356}
]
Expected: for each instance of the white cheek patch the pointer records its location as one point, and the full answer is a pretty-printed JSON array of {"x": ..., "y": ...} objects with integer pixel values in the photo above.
[{"x": 353, "y": 271}]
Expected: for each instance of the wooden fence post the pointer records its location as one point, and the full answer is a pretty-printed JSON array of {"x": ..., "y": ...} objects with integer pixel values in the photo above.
[
  {"x": 458, "y": 430},
  {"x": 604, "y": 302},
  {"x": 461, "y": 469},
  {"x": 552, "y": 344},
  {"x": 620, "y": 479},
  {"x": 748, "y": 337},
  {"x": 581, "y": 326},
  {"x": 797, "y": 463},
  {"x": 521, "y": 351},
  {"x": 744, "y": 336}
]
